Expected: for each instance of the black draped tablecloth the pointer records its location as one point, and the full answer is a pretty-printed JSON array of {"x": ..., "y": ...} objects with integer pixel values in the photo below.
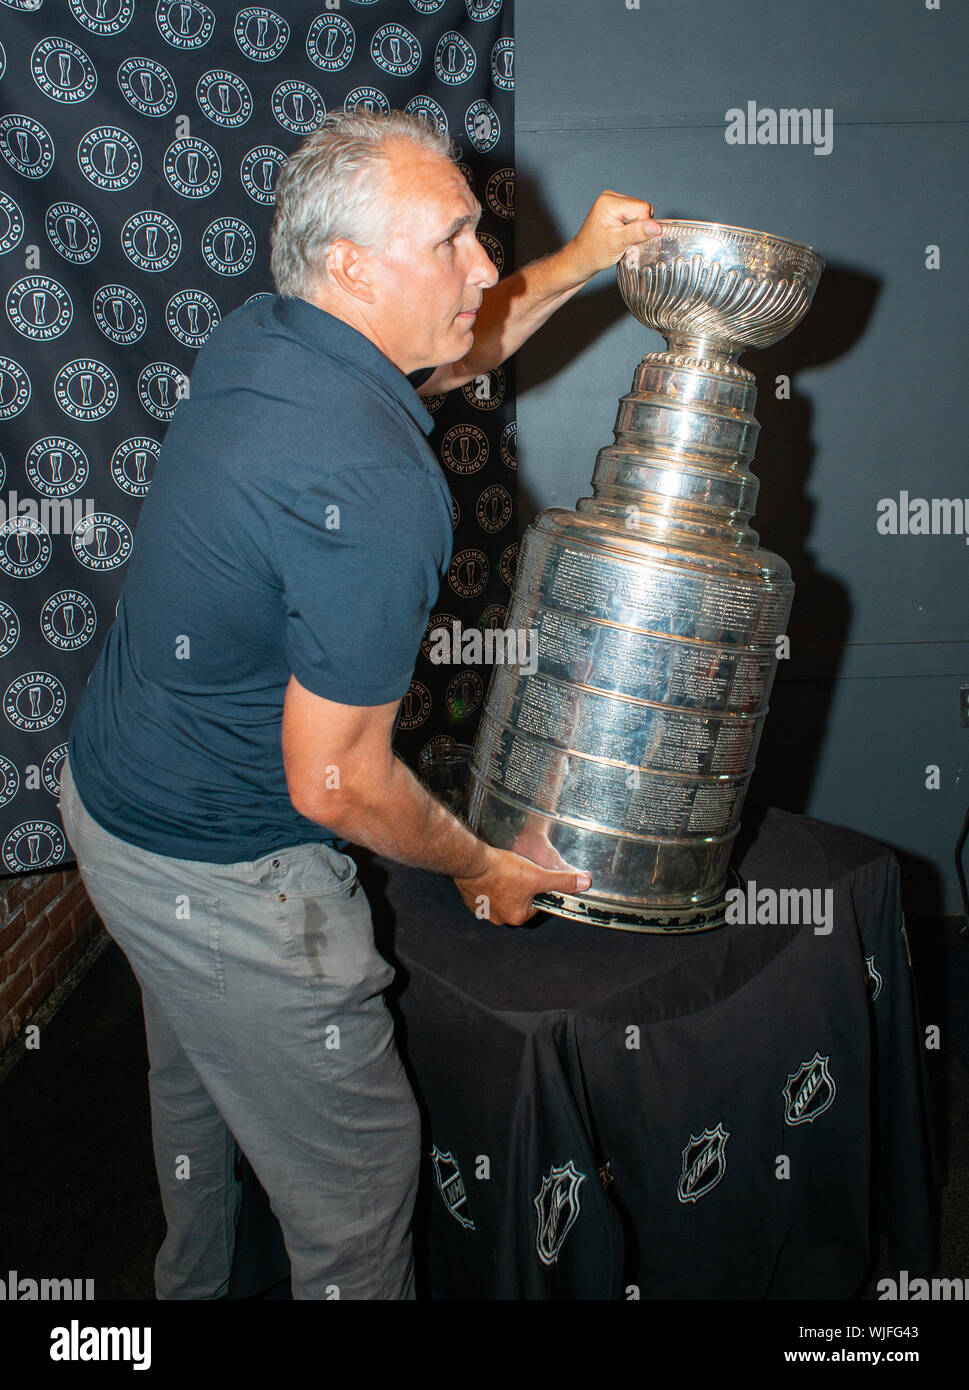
[{"x": 733, "y": 1114}]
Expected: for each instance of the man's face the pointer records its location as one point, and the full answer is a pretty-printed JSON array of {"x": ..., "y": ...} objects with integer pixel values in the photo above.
[{"x": 430, "y": 274}]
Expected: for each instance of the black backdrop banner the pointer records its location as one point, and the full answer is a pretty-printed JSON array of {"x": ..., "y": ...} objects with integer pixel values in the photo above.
[{"x": 139, "y": 147}]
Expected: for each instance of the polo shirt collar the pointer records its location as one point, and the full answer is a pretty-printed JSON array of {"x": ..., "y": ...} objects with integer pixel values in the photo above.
[{"x": 343, "y": 342}]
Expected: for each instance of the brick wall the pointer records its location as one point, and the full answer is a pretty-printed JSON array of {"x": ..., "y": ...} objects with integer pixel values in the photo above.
[{"x": 46, "y": 925}]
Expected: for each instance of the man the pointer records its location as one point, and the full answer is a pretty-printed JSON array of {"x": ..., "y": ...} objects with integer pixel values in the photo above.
[{"x": 236, "y": 729}]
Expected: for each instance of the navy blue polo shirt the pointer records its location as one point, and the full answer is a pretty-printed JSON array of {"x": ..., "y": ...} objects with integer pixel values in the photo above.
[{"x": 298, "y": 522}]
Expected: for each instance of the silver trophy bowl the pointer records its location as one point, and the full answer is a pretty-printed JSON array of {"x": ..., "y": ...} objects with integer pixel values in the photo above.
[
  {"x": 629, "y": 750},
  {"x": 728, "y": 288}
]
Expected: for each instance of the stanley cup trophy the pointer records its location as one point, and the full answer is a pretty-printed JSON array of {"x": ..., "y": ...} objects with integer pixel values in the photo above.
[{"x": 628, "y": 751}]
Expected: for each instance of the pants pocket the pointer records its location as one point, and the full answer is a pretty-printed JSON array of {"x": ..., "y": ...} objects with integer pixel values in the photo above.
[{"x": 174, "y": 938}]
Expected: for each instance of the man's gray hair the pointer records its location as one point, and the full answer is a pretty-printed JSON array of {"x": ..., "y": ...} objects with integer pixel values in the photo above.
[{"x": 330, "y": 188}]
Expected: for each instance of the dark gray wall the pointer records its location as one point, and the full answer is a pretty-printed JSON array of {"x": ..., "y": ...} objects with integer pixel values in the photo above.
[{"x": 635, "y": 100}]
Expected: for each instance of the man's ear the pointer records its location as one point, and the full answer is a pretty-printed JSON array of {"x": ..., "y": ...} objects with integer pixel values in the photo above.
[{"x": 349, "y": 268}]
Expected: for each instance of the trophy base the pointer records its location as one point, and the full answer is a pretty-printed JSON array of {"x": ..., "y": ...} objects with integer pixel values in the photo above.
[{"x": 621, "y": 916}]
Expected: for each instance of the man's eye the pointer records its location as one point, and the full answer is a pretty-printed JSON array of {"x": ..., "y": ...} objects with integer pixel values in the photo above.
[{"x": 450, "y": 239}]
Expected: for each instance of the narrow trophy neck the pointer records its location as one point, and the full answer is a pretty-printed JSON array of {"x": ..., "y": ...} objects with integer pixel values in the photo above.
[{"x": 685, "y": 436}]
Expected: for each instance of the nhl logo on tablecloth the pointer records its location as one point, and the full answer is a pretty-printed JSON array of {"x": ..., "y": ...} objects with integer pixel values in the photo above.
[
  {"x": 450, "y": 1184},
  {"x": 704, "y": 1163},
  {"x": 558, "y": 1207},
  {"x": 809, "y": 1091}
]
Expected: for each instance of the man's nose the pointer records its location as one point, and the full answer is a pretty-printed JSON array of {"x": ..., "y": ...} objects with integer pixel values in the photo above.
[{"x": 485, "y": 271}]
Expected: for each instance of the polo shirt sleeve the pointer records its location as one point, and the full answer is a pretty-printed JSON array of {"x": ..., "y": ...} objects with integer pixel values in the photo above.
[{"x": 361, "y": 555}]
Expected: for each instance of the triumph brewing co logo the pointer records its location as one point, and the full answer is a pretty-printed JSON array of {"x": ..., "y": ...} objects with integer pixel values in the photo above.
[
  {"x": 808, "y": 1092},
  {"x": 424, "y": 106},
  {"x": 27, "y": 146},
  {"x": 557, "y": 1206},
  {"x": 229, "y": 246},
  {"x": 370, "y": 98},
  {"x": 11, "y": 223},
  {"x": 39, "y": 308},
  {"x": 50, "y": 777},
  {"x": 119, "y": 313},
  {"x": 454, "y": 59},
  {"x": 224, "y": 98},
  {"x": 464, "y": 448},
  {"x": 147, "y": 86},
  {"x": 330, "y": 42},
  {"x": 133, "y": 463},
  {"x": 704, "y": 1164},
  {"x": 33, "y": 844},
  {"x": 56, "y": 467},
  {"x": 63, "y": 71},
  {"x": 184, "y": 23},
  {"x": 450, "y": 1184},
  {"x": 109, "y": 158},
  {"x": 260, "y": 34},
  {"x": 298, "y": 107},
  {"x": 72, "y": 232},
  {"x": 151, "y": 241},
  {"x": 68, "y": 620}
]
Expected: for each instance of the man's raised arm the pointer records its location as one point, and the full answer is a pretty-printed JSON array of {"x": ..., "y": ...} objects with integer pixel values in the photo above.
[{"x": 520, "y": 303}]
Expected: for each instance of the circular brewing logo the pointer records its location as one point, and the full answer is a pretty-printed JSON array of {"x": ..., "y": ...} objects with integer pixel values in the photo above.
[
  {"x": 500, "y": 193},
  {"x": 33, "y": 844},
  {"x": 454, "y": 58},
  {"x": 34, "y": 701},
  {"x": 482, "y": 9},
  {"x": 103, "y": 17},
  {"x": 109, "y": 158},
  {"x": 468, "y": 573},
  {"x": 27, "y": 146},
  {"x": 56, "y": 466},
  {"x": 508, "y": 445},
  {"x": 39, "y": 308},
  {"x": 11, "y": 223},
  {"x": 63, "y": 71},
  {"x": 14, "y": 388},
  {"x": 370, "y": 98},
  {"x": 465, "y": 448},
  {"x": 119, "y": 314},
  {"x": 101, "y": 541},
  {"x": 192, "y": 167},
  {"x": 259, "y": 171},
  {"x": 68, "y": 620},
  {"x": 415, "y": 706},
  {"x": 191, "y": 315},
  {"x": 508, "y": 564},
  {"x": 147, "y": 86},
  {"x": 330, "y": 42},
  {"x": 503, "y": 65},
  {"x": 9, "y": 626},
  {"x": 72, "y": 232},
  {"x": 229, "y": 246},
  {"x": 184, "y": 23},
  {"x": 464, "y": 694},
  {"x": 25, "y": 547},
  {"x": 436, "y": 620},
  {"x": 86, "y": 389},
  {"x": 493, "y": 508},
  {"x": 482, "y": 124},
  {"x": 424, "y": 106},
  {"x": 260, "y": 34},
  {"x": 486, "y": 391},
  {"x": 223, "y": 97},
  {"x": 9, "y": 780},
  {"x": 396, "y": 50},
  {"x": 427, "y": 6},
  {"x": 54, "y": 759},
  {"x": 133, "y": 463},
  {"x": 151, "y": 241},
  {"x": 160, "y": 388},
  {"x": 298, "y": 107}
]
